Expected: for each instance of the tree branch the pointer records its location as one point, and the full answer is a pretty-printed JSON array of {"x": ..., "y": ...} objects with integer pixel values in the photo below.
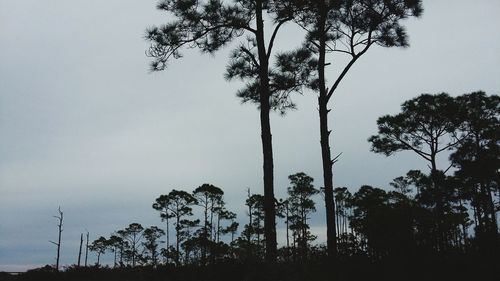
[
  {"x": 347, "y": 67},
  {"x": 273, "y": 37},
  {"x": 254, "y": 60}
]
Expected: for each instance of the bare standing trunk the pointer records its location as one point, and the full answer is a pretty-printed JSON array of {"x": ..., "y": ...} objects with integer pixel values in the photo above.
[
  {"x": 87, "y": 249},
  {"x": 80, "y": 251},
  {"x": 58, "y": 244}
]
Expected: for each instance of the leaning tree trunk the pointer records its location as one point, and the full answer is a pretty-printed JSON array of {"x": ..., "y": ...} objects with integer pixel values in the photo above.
[
  {"x": 80, "y": 251},
  {"x": 331, "y": 234},
  {"x": 267, "y": 147},
  {"x": 60, "y": 217}
]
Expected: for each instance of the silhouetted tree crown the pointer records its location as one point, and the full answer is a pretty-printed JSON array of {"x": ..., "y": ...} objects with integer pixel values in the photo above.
[
  {"x": 212, "y": 24},
  {"x": 427, "y": 125},
  {"x": 346, "y": 28}
]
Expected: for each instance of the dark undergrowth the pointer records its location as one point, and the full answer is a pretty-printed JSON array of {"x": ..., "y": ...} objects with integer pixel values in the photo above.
[{"x": 468, "y": 268}]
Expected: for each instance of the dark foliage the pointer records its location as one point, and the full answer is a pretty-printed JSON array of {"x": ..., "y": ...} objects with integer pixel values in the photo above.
[
  {"x": 456, "y": 268},
  {"x": 432, "y": 226}
]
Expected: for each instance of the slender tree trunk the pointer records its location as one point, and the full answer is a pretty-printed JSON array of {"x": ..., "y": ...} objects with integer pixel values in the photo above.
[
  {"x": 133, "y": 250},
  {"x": 218, "y": 229},
  {"x": 250, "y": 224},
  {"x": 205, "y": 232},
  {"x": 115, "y": 253},
  {"x": 153, "y": 257},
  {"x": 487, "y": 201},
  {"x": 491, "y": 210},
  {"x": 212, "y": 221},
  {"x": 304, "y": 229},
  {"x": 474, "y": 213},
  {"x": 58, "y": 248},
  {"x": 168, "y": 239},
  {"x": 439, "y": 211},
  {"x": 58, "y": 244},
  {"x": 121, "y": 254},
  {"x": 258, "y": 232},
  {"x": 177, "y": 233},
  {"x": 87, "y": 249},
  {"x": 337, "y": 218},
  {"x": 325, "y": 139},
  {"x": 80, "y": 251},
  {"x": 287, "y": 228},
  {"x": 267, "y": 148},
  {"x": 343, "y": 218},
  {"x": 477, "y": 218},
  {"x": 293, "y": 239},
  {"x": 168, "y": 233}
]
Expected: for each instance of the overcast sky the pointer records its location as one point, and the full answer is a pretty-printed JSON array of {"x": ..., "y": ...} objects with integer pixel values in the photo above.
[{"x": 85, "y": 126}]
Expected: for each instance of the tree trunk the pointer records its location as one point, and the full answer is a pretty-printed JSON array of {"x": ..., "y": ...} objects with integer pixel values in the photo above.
[
  {"x": 205, "y": 232},
  {"x": 121, "y": 254},
  {"x": 60, "y": 217},
  {"x": 87, "y": 249},
  {"x": 325, "y": 140},
  {"x": 217, "y": 233},
  {"x": 177, "y": 242},
  {"x": 267, "y": 148},
  {"x": 80, "y": 251},
  {"x": 133, "y": 250},
  {"x": 212, "y": 204},
  {"x": 491, "y": 209},
  {"x": 337, "y": 217},
  {"x": 287, "y": 228},
  {"x": 438, "y": 197},
  {"x": 250, "y": 225},
  {"x": 258, "y": 232},
  {"x": 168, "y": 238}
]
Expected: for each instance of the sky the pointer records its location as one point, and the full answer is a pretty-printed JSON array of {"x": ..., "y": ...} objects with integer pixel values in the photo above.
[{"x": 84, "y": 125}]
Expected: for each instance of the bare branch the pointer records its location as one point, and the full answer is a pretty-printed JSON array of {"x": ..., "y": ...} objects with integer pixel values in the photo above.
[
  {"x": 273, "y": 37},
  {"x": 336, "y": 158}
]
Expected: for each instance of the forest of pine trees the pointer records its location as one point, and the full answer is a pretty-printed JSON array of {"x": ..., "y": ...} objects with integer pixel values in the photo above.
[
  {"x": 443, "y": 211},
  {"x": 443, "y": 218},
  {"x": 449, "y": 211}
]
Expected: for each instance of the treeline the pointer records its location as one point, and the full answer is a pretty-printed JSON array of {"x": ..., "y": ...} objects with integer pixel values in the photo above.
[
  {"x": 272, "y": 73},
  {"x": 212, "y": 237},
  {"x": 443, "y": 211},
  {"x": 450, "y": 207}
]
